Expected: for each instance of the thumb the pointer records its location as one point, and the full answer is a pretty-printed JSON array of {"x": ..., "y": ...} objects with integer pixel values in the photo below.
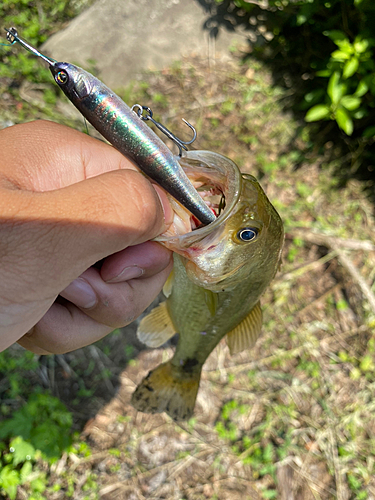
[{"x": 56, "y": 235}]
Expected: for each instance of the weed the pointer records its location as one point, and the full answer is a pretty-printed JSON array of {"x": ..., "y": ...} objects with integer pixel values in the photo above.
[{"x": 42, "y": 427}]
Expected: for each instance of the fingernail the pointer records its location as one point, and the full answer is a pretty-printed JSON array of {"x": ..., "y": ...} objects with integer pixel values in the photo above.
[
  {"x": 128, "y": 273},
  {"x": 80, "y": 293},
  {"x": 167, "y": 209}
]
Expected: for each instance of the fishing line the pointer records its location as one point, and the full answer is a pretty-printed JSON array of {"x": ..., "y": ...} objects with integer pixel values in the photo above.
[
  {"x": 87, "y": 128},
  {"x": 8, "y": 44}
]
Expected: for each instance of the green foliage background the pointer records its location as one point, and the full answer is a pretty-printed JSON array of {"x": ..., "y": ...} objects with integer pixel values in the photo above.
[
  {"x": 329, "y": 45},
  {"x": 36, "y": 20}
]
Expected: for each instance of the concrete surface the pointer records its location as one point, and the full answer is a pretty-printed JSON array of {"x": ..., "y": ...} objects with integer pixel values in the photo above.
[{"x": 126, "y": 37}]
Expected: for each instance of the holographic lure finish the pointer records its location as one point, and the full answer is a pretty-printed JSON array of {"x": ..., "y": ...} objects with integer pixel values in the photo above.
[{"x": 124, "y": 129}]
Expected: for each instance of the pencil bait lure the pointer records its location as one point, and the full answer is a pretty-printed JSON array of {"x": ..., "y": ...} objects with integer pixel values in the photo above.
[{"x": 126, "y": 130}]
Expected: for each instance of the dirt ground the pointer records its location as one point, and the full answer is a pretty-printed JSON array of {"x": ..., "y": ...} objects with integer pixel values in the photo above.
[{"x": 293, "y": 418}]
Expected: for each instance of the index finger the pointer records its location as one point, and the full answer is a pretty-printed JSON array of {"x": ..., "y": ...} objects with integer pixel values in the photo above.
[{"x": 43, "y": 155}]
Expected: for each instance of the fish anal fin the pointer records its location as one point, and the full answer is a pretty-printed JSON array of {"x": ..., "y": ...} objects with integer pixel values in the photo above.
[
  {"x": 247, "y": 332},
  {"x": 156, "y": 328},
  {"x": 165, "y": 390}
]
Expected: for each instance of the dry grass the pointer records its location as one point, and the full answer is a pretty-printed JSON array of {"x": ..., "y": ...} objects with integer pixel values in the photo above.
[{"x": 293, "y": 418}]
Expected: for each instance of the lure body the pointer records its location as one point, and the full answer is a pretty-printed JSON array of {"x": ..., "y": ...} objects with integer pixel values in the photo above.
[{"x": 123, "y": 128}]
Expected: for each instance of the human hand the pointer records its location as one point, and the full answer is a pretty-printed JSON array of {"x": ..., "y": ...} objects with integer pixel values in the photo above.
[{"x": 68, "y": 201}]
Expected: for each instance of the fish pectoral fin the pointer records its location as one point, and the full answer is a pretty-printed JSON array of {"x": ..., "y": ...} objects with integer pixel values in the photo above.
[
  {"x": 156, "y": 328},
  {"x": 167, "y": 288},
  {"x": 247, "y": 332},
  {"x": 212, "y": 301},
  {"x": 164, "y": 389}
]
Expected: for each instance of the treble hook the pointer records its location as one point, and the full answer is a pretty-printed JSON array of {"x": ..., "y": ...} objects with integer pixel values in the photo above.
[{"x": 149, "y": 116}]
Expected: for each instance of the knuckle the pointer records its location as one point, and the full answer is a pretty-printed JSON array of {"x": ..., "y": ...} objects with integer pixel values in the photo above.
[
  {"x": 131, "y": 202},
  {"x": 146, "y": 203},
  {"x": 116, "y": 308}
]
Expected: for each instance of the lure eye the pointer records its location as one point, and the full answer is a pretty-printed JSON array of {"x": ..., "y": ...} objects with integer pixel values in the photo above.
[
  {"x": 247, "y": 234},
  {"x": 61, "y": 77}
]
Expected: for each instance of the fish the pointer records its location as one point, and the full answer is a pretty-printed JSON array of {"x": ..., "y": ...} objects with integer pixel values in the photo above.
[
  {"x": 220, "y": 272},
  {"x": 125, "y": 130}
]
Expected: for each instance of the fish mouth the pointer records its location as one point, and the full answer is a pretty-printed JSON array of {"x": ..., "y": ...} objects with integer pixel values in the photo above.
[{"x": 217, "y": 179}]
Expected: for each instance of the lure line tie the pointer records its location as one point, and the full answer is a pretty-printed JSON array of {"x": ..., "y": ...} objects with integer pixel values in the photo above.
[{"x": 12, "y": 37}]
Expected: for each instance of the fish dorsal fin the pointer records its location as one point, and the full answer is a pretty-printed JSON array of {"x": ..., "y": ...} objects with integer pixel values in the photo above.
[
  {"x": 212, "y": 301},
  {"x": 156, "y": 328},
  {"x": 167, "y": 288},
  {"x": 247, "y": 332}
]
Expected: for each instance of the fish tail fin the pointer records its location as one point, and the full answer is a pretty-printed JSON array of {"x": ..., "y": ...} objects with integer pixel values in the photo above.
[{"x": 169, "y": 389}]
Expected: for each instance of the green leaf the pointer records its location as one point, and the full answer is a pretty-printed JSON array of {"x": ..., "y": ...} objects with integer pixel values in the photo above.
[
  {"x": 369, "y": 132},
  {"x": 340, "y": 55},
  {"x": 360, "y": 45},
  {"x": 317, "y": 112},
  {"x": 359, "y": 114},
  {"x": 367, "y": 363},
  {"x": 354, "y": 483},
  {"x": 38, "y": 484},
  {"x": 9, "y": 481},
  {"x": 25, "y": 471},
  {"x": 333, "y": 89},
  {"x": 324, "y": 73},
  {"x": 361, "y": 89},
  {"x": 341, "y": 305},
  {"x": 269, "y": 494},
  {"x": 344, "y": 121},
  {"x": 19, "y": 424},
  {"x": 350, "y": 102},
  {"x": 21, "y": 450},
  {"x": 335, "y": 35},
  {"x": 350, "y": 67}
]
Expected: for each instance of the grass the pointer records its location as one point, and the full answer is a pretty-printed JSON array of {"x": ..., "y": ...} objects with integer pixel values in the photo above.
[{"x": 293, "y": 418}]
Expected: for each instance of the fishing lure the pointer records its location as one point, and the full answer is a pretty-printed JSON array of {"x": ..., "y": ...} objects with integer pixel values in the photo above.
[{"x": 125, "y": 129}]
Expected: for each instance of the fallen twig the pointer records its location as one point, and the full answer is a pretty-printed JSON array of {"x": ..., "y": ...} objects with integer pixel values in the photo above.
[
  {"x": 311, "y": 266},
  {"x": 336, "y": 244},
  {"x": 289, "y": 353},
  {"x": 330, "y": 241},
  {"x": 353, "y": 271}
]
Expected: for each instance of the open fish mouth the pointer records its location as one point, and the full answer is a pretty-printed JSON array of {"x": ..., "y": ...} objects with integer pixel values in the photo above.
[{"x": 218, "y": 181}]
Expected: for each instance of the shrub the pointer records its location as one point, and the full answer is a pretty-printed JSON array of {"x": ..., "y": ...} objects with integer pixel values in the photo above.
[{"x": 327, "y": 45}]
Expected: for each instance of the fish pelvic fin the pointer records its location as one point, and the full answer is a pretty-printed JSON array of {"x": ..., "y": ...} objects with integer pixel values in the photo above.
[
  {"x": 170, "y": 389},
  {"x": 156, "y": 328},
  {"x": 247, "y": 332},
  {"x": 168, "y": 285},
  {"x": 212, "y": 301}
]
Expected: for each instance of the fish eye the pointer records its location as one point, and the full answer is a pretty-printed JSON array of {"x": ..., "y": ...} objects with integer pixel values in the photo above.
[
  {"x": 61, "y": 77},
  {"x": 247, "y": 234}
]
